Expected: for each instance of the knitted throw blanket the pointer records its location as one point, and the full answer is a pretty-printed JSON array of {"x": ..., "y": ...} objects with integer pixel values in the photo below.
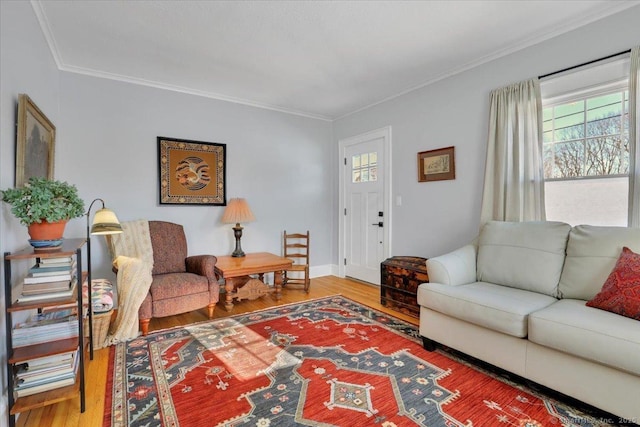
[{"x": 133, "y": 257}]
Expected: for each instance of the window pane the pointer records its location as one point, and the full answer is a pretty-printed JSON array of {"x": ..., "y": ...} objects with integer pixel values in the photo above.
[
  {"x": 365, "y": 175},
  {"x": 568, "y": 109},
  {"x": 604, "y": 126},
  {"x": 569, "y": 159},
  {"x": 569, "y": 133},
  {"x": 604, "y": 101},
  {"x": 596, "y": 201},
  {"x": 373, "y": 174},
  {"x": 605, "y": 157},
  {"x": 547, "y": 136},
  {"x": 356, "y": 176},
  {"x": 364, "y": 160},
  {"x": 355, "y": 162},
  {"x": 373, "y": 158}
]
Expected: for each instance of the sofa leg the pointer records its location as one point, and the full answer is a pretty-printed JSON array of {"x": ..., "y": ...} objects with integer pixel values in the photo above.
[
  {"x": 210, "y": 309},
  {"x": 144, "y": 326},
  {"x": 428, "y": 344}
]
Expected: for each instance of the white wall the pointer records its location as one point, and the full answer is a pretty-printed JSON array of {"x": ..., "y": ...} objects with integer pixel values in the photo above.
[
  {"x": 26, "y": 67},
  {"x": 436, "y": 217},
  {"x": 107, "y": 140}
]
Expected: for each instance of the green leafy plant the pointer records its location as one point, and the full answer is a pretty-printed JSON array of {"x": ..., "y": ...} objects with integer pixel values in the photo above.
[{"x": 43, "y": 199}]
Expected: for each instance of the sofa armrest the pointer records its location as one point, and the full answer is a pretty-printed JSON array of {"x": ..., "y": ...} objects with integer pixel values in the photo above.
[
  {"x": 455, "y": 268},
  {"x": 202, "y": 265}
]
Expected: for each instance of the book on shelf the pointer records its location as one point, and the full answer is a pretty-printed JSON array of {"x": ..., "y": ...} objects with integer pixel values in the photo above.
[
  {"x": 56, "y": 381},
  {"x": 44, "y": 327},
  {"x": 56, "y": 260},
  {"x": 58, "y": 276},
  {"x": 46, "y": 362},
  {"x": 31, "y": 297},
  {"x": 23, "y": 392},
  {"x": 25, "y": 374},
  {"x": 39, "y": 270},
  {"x": 47, "y": 287},
  {"x": 46, "y": 319}
]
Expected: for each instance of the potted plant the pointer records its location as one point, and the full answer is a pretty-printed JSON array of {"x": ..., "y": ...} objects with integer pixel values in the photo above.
[{"x": 44, "y": 206}]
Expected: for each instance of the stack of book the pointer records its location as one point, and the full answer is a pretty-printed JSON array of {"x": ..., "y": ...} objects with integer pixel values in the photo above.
[
  {"x": 45, "y": 373},
  {"x": 45, "y": 327},
  {"x": 49, "y": 278}
]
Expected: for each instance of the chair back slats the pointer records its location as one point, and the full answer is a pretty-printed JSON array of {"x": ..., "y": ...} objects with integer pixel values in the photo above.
[{"x": 296, "y": 248}]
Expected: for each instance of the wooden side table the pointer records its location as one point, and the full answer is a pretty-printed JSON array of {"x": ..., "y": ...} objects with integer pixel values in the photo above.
[{"x": 235, "y": 272}]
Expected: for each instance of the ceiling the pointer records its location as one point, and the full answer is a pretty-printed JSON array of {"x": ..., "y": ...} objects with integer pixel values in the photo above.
[{"x": 321, "y": 59}]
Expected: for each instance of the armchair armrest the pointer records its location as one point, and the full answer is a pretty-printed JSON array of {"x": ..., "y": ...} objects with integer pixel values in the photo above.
[
  {"x": 202, "y": 265},
  {"x": 455, "y": 268}
]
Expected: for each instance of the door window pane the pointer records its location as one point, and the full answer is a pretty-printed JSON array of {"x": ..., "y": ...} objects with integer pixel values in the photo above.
[{"x": 364, "y": 167}]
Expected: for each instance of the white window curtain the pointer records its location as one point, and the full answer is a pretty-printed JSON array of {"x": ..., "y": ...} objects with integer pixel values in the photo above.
[
  {"x": 634, "y": 139},
  {"x": 513, "y": 180}
]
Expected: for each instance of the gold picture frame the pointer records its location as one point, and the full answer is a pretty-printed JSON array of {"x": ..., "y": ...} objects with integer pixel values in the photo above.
[
  {"x": 436, "y": 165},
  {"x": 191, "y": 172},
  {"x": 35, "y": 143}
]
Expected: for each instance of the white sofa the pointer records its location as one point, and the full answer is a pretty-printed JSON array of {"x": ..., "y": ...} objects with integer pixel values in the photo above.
[{"x": 516, "y": 299}]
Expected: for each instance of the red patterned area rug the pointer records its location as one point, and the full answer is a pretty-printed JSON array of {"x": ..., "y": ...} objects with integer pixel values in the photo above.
[{"x": 324, "y": 362}]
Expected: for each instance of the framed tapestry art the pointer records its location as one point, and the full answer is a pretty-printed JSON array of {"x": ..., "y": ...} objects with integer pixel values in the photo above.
[
  {"x": 35, "y": 143},
  {"x": 436, "y": 165},
  {"x": 191, "y": 172}
]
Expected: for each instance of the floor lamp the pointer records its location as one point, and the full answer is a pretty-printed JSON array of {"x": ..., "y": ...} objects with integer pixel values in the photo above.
[{"x": 104, "y": 222}]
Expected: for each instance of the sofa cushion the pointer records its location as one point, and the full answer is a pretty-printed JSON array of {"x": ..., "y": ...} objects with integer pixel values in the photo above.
[
  {"x": 621, "y": 292},
  {"x": 571, "y": 327},
  {"x": 524, "y": 255},
  {"x": 495, "y": 307},
  {"x": 592, "y": 252}
]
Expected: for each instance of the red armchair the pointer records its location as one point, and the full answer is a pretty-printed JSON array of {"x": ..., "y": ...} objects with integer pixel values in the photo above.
[{"x": 180, "y": 283}]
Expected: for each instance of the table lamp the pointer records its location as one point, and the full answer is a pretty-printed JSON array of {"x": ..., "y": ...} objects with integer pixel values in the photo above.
[
  {"x": 237, "y": 211},
  {"x": 104, "y": 222}
]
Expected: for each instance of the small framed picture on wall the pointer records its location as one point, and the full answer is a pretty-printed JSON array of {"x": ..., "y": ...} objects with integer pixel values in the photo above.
[{"x": 436, "y": 165}]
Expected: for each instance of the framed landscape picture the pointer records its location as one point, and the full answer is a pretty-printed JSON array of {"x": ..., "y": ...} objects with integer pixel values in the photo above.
[
  {"x": 191, "y": 172},
  {"x": 35, "y": 143},
  {"x": 436, "y": 165}
]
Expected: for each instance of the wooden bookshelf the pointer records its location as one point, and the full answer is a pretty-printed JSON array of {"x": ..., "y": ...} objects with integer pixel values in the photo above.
[{"x": 71, "y": 248}]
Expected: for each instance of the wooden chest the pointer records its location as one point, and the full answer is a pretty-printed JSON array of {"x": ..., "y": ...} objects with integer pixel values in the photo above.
[{"x": 399, "y": 281}]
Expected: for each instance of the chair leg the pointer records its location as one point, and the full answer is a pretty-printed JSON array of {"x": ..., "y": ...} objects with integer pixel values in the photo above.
[
  {"x": 144, "y": 326},
  {"x": 307, "y": 281},
  {"x": 210, "y": 309}
]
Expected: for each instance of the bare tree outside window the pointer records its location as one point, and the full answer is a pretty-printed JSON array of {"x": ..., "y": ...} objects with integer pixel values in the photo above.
[{"x": 589, "y": 137}]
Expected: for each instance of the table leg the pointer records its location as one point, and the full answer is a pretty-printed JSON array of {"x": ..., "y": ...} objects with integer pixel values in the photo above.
[
  {"x": 277, "y": 283},
  {"x": 229, "y": 287}
]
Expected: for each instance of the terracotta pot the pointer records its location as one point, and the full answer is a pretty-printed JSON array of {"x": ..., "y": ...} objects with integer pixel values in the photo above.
[{"x": 47, "y": 230}]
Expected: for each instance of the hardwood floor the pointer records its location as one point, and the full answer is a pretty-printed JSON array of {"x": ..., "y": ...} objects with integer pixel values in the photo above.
[{"x": 68, "y": 414}]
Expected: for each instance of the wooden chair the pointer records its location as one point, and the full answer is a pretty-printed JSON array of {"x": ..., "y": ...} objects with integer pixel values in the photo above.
[{"x": 296, "y": 248}]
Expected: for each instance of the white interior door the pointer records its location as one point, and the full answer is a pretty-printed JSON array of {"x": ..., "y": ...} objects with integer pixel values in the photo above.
[{"x": 365, "y": 225}]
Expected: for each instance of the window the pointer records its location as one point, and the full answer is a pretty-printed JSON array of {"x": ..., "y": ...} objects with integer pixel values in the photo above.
[
  {"x": 587, "y": 137},
  {"x": 364, "y": 167},
  {"x": 586, "y": 153}
]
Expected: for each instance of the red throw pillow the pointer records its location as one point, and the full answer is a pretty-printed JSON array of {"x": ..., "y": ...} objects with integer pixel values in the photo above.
[{"x": 620, "y": 294}]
